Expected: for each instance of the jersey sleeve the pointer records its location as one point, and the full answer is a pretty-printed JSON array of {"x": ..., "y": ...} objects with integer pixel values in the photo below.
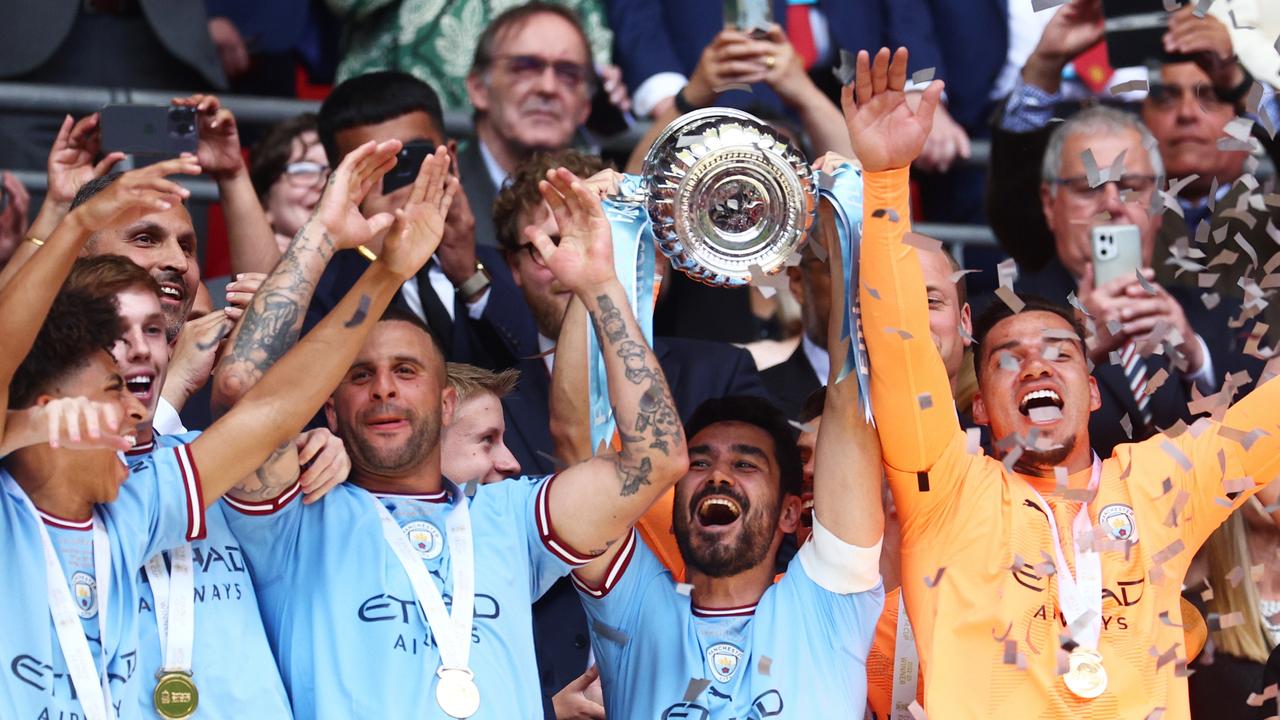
[
  {"x": 847, "y": 619},
  {"x": 613, "y": 607},
  {"x": 159, "y": 506},
  {"x": 910, "y": 392},
  {"x": 550, "y": 558},
  {"x": 269, "y": 531},
  {"x": 1223, "y": 465}
]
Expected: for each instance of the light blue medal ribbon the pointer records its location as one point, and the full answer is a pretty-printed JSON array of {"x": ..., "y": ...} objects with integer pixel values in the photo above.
[
  {"x": 633, "y": 259},
  {"x": 844, "y": 189}
]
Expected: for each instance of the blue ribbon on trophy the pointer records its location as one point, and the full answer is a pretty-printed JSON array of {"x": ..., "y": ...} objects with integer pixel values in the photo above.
[
  {"x": 843, "y": 189},
  {"x": 633, "y": 258}
]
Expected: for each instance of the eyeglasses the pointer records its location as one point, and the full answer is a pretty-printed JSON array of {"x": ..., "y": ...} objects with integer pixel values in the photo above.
[
  {"x": 1166, "y": 97},
  {"x": 536, "y": 256},
  {"x": 305, "y": 173},
  {"x": 572, "y": 75},
  {"x": 1079, "y": 185}
]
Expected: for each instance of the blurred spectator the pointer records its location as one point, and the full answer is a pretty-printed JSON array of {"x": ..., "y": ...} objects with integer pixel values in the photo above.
[
  {"x": 531, "y": 83},
  {"x": 1132, "y": 315},
  {"x": 14, "y": 203},
  {"x": 1238, "y": 563},
  {"x": 435, "y": 41},
  {"x": 1187, "y": 109},
  {"x": 289, "y": 168},
  {"x": 659, "y": 42},
  {"x": 260, "y": 43},
  {"x": 472, "y": 447},
  {"x": 462, "y": 283},
  {"x": 148, "y": 44}
]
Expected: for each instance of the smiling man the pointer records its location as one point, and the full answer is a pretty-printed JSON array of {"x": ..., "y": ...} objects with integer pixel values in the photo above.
[
  {"x": 472, "y": 440},
  {"x": 1013, "y": 618}
]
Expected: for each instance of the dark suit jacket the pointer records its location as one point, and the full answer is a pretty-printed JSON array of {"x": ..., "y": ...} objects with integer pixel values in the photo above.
[
  {"x": 33, "y": 31},
  {"x": 1013, "y": 207},
  {"x": 790, "y": 382},
  {"x": 972, "y": 41},
  {"x": 1169, "y": 402},
  {"x": 653, "y": 36},
  {"x": 478, "y": 186}
]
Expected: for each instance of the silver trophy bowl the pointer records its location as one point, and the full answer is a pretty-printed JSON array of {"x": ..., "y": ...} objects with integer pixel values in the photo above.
[{"x": 728, "y": 196}]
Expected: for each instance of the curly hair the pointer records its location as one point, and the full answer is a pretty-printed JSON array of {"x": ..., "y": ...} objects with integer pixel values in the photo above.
[
  {"x": 521, "y": 193},
  {"x": 78, "y": 325}
]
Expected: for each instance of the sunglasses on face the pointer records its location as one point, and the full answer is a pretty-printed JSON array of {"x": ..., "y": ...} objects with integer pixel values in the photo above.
[
  {"x": 571, "y": 75},
  {"x": 1166, "y": 97},
  {"x": 536, "y": 256},
  {"x": 1079, "y": 185}
]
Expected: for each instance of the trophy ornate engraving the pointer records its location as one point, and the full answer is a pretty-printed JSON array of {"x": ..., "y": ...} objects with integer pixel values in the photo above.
[{"x": 728, "y": 197}]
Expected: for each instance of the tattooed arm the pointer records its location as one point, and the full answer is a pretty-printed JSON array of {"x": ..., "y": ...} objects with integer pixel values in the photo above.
[
  {"x": 273, "y": 321},
  {"x": 608, "y": 493}
]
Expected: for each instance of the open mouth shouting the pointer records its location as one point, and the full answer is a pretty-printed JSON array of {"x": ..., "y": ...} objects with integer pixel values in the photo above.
[
  {"x": 1041, "y": 406},
  {"x": 141, "y": 385},
  {"x": 717, "y": 511}
]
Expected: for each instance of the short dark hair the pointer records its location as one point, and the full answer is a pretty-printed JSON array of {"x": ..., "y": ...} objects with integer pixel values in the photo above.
[
  {"x": 516, "y": 17},
  {"x": 521, "y": 193},
  {"x": 78, "y": 325},
  {"x": 86, "y": 191},
  {"x": 271, "y": 155},
  {"x": 108, "y": 275},
  {"x": 371, "y": 99},
  {"x": 763, "y": 414},
  {"x": 997, "y": 312}
]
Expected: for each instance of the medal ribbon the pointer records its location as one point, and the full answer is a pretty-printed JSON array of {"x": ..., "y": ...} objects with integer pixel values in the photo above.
[
  {"x": 1080, "y": 594},
  {"x": 452, "y": 633},
  {"x": 843, "y": 189},
  {"x": 173, "y": 588},
  {"x": 906, "y": 666},
  {"x": 97, "y": 705}
]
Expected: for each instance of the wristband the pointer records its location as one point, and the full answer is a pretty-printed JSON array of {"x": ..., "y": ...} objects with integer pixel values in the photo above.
[
  {"x": 683, "y": 104},
  {"x": 476, "y": 284},
  {"x": 1235, "y": 94}
]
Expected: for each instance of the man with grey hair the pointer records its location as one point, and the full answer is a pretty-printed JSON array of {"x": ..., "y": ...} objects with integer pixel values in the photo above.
[{"x": 1150, "y": 343}]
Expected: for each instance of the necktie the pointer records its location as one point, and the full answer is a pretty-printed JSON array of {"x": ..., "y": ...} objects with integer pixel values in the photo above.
[
  {"x": 438, "y": 319},
  {"x": 1135, "y": 372},
  {"x": 800, "y": 32}
]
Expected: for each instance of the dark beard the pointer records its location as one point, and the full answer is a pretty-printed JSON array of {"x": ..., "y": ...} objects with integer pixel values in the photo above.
[
  {"x": 746, "y": 550},
  {"x": 1042, "y": 462},
  {"x": 366, "y": 458}
]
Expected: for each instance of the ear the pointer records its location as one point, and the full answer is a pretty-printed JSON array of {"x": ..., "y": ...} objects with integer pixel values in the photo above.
[
  {"x": 331, "y": 415},
  {"x": 1046, "y": 205},
  {"x": 979, "y": 409},
  {"x": 478, "y": 92},
  {"x": 966, "y": 322},
  {"x": 789, "y": 518},
  {"x": 448, "y": 404},
  {"x": 1095, "y": 397}
]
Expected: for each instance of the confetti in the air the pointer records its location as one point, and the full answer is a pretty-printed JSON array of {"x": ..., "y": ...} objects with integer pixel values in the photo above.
[{"x": 696, "y": 686}]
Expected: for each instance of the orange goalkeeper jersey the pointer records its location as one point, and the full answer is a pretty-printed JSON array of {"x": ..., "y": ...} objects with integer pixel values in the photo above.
[{"x": 976, "y": 547}]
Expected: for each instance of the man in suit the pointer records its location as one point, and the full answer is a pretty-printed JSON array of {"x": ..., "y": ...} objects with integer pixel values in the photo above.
[
  {"x": 1187, "y": 108},
  {"x": 149, "y": 44},
  {"x": 1150, "y": 343},
  {"x": 531, "y": 84},
  {"x": 462, "y": 283}
]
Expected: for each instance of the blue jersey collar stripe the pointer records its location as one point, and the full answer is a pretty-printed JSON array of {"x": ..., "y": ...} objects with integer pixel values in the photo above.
[
  {"x": 195, "y": 494},
  {"x": 558, "y": 547},
  {"x": 58, "y": 522},
  {"x": 267, "y": 507},
  {"x": 617, "y": 567},
  {"x": 725, "y": 612}
]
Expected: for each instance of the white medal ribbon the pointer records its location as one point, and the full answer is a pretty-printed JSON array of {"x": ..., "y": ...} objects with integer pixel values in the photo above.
[
  {"x": 1080, "y": 594},
  {"x": 85, "y": 674},
  {"x": 906, "y": 667},
  {"x": 452, "y": 633},
  {"x": 173, "y": 588}
]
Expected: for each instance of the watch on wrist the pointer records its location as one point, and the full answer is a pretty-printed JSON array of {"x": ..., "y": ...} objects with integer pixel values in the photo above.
[
  {"x": 682, "y": 103},
  {"x": 473, "y": 286}
]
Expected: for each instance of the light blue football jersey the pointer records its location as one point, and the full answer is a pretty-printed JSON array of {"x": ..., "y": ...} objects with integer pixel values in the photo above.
[
  {"x": 800, "y": 652},
  {"x": 158, "y": 506},
  {"x": 232, "y": 664},
  {"x": 342, "y": 617}
]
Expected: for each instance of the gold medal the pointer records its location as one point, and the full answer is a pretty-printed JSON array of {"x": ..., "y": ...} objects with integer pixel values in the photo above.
[
  {"x": 456, "y": 692},
  {"x": 175, "y": 696},
  {"x": 1085, "y": 676}
]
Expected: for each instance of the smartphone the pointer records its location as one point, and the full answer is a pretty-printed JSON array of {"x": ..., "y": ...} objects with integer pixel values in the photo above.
[
  {"x": 1117, "y": 252},
  {"x": 150, "y": 130},
  {"x": 1134, "y": 30},
  {"x": 748, "y": 15},
  {"x": 408, "y": 162}
]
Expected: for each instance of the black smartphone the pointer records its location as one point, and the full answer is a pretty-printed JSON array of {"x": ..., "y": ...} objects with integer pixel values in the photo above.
[
  {"x": 149, "y": 130},
  {"x": 408, "y": 162},
  {"x": 1135, "y": 32}
]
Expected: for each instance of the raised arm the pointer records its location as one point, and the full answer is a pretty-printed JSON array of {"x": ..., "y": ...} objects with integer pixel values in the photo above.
[
  {"x": 910, "y": 393},
  {"x": 570, "y": 406},
  {"x": 847, "y": 473},
  {"x": 26, "y": 300},
  {"x": 278, "y": 406},
  {"x": 597, "y": 501}
]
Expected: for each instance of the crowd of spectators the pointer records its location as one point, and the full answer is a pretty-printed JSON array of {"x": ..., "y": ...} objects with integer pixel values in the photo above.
[{"x": 1037, "y": 137}]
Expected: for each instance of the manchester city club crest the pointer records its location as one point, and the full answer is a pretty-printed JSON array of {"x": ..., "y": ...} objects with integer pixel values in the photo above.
[
  {"x": 723, "y": 659},
  {"x": 1118, "y": 522},
  {"x": 425, "y": 538},
  {"x": 85, "y": 591}
]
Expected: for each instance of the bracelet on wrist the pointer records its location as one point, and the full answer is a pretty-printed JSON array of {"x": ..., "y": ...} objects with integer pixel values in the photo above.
[{"x": 1237, "y": 93}]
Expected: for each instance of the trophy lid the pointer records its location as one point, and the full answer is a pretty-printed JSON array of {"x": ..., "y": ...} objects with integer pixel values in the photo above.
[{"x": 727, "y": 194}]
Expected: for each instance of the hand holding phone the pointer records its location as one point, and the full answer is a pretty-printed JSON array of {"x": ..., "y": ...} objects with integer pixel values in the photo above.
[
  {"x": 154, "y": 131},
  {"x": 748, "y": 15},
  {"x": 1117, "y": 252}
]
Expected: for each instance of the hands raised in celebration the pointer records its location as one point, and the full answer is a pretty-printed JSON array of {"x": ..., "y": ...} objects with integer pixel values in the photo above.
[
  {"x": 885, "y": 131},
  {"x": 146, "y": 190},
  {"x": 582, "y": 259},
  {"x": 419, "y": 225},
  {"x": 338, "y": 212}
]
